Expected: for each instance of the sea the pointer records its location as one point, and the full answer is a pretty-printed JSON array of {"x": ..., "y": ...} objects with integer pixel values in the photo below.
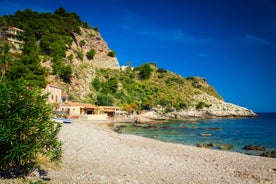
[{"x": 237, "y": 132}]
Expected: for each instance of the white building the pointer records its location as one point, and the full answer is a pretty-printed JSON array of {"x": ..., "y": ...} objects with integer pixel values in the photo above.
[{"x": 12, "y": 34}]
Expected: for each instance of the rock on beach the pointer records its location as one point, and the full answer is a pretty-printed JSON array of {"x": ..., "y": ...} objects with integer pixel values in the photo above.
[{"x": 95, "y": 154}]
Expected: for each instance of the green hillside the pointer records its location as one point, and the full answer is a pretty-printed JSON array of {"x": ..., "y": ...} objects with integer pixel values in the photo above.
[
  {"x": 45, "y": 35},
  {"x": 49, "y": 36},
  {"x": 148, "y": 86}
]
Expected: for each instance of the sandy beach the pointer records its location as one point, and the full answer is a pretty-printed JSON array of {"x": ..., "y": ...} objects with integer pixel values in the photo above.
[{"x": 95, "y": 154}]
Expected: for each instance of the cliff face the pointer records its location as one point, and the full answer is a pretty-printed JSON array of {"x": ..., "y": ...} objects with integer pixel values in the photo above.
[
  {"x": 84, "y": 69},
  {"x": 91, "y": 39}
]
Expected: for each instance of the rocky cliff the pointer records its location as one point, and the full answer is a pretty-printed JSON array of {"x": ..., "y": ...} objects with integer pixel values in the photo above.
[
  {"x": 216, "y": 108},
  {"x": 84, "y": 69},
  {"x": 91, "y": 39}
]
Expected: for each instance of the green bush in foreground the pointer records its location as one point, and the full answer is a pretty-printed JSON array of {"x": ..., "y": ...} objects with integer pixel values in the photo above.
[{"x": 26, "y": 128}]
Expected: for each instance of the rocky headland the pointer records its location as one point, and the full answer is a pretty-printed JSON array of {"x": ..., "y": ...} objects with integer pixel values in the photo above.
[{"x": 217, "y": 109}]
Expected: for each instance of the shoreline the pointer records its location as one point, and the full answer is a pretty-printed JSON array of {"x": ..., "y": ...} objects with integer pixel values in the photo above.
[
  {"x": 151, "y": 129},
  {"x": 95, "y": 154}
]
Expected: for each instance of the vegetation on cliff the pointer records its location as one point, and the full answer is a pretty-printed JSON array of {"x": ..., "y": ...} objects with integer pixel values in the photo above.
[
  {"x": 51, "y": 36},
  {"x": 148, "y": 86},
  {"x": 45, "y": 34}
]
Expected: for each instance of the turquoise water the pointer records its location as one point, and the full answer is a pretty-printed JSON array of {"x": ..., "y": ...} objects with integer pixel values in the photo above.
[{"x": 238, "y": 132}]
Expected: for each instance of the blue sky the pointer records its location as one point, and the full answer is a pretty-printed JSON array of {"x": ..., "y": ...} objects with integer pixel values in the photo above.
[{"x": 231, "y": 43}]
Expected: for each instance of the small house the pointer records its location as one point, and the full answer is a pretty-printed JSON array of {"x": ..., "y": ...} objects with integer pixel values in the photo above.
[
  {"x": 109, "y": 110},
  {"x": 76, "y": 109},
  {"x": 55, "y": 94},
  {"x": 12, "y": 34}
]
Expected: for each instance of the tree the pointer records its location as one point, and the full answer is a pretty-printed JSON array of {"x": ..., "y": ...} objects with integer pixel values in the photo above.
[
  {"x": 145, "y": 71},
  {"x": 112, "y": 84},
  {"x": 104, "y": 100},
  {"x": 28, "y": 67},
  {"x": 90, "y": 55},
  {"x": 130, "y": 107},
  {"x": 61, "y": 11},
  {"x": 26, "y": 128},
  {"x": 66, "y": 73},
  {"x": 5, "y": 60},
  {"x": 96, "y": 83}
]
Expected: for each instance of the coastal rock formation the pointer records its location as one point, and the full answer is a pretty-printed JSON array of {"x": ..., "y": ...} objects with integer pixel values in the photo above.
[
  {"x": 216, "y": 108},
  {"x": 254, "y": 147},
  {"x": 150, "y": 117},
  {"x": 206, "y": 135},
  {"x": 226, "y": 146},
  {"x": 202, "y": 145},
  {"x": 271, "y": 154}
]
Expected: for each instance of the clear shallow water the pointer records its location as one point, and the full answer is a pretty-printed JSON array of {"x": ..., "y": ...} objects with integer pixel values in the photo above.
[{"x": 238, "y": 132}]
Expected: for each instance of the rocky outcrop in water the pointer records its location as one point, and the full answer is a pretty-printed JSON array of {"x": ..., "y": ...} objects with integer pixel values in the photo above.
[
  {"x": 271, "y": 154},
  {"x": 254, "y": 147}
]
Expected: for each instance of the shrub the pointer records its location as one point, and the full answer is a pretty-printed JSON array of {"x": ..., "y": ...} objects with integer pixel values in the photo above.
[
  {"x": 96, "y": 83},
  {"x": 91, "y": 54},
  {"x": 104, "y": 100},
  {"x": 145, "y": 71},
  {"x": 79, "y": 54},
  {"x": 26, "y": 129},
  {"x": 130, "y": 108},
  {"x": 111, "y": 53},
  {"x": 82, "y": 43},
  {"x": 182, "y": 105},
  {"x": 96, "y": 29},
  {"x": 112, "y": 84},
  {"x": 201, "y": 105},
  {"x": 160, "y": 70},
  {"x": 70, "y": 57}
]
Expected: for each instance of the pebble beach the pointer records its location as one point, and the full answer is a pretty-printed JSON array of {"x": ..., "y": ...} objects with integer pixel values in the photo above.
[{"x": 93, "y": 153}]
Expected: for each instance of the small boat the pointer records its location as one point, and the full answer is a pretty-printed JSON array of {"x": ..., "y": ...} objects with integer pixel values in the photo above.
[{"x": 62, "y": 120}]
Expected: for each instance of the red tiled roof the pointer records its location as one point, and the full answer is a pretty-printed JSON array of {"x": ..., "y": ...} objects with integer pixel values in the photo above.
[
  {"x": 109, "y": 107},
  {"x": 89, "y": 106},
  {"x": 72, "y": 104},
  {"x": 84, "y": 105}
]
